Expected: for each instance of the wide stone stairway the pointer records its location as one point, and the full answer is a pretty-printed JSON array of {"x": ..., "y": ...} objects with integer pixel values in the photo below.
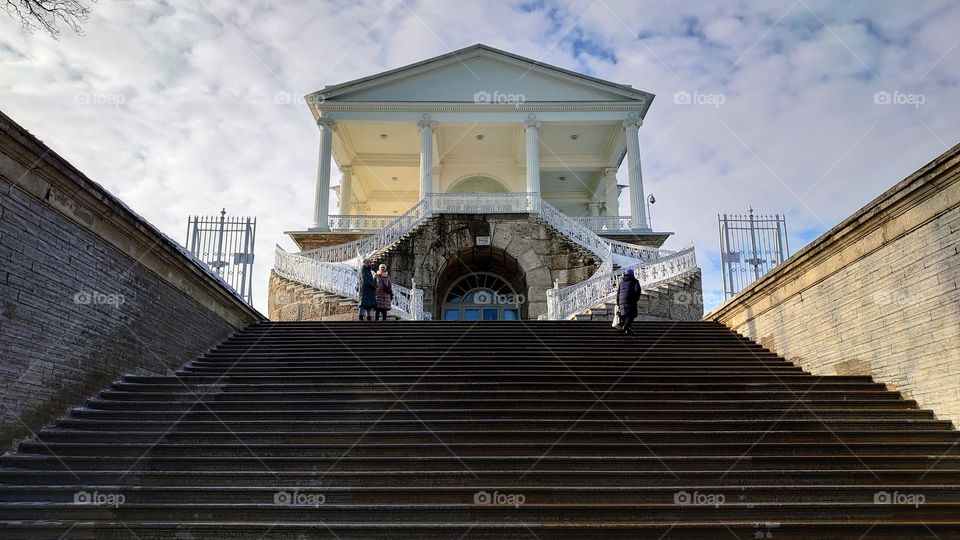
[{"x": 487, "y": 430}]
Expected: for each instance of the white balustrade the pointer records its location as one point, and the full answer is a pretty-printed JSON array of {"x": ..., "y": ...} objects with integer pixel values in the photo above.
[
  {"x": 342, "y": 280},
  {"x": 323, "y": 268},
  {"x": 566, "y": 302},
  {"x": 602, "y": 224},
  {"x": 352, "y": 223}
]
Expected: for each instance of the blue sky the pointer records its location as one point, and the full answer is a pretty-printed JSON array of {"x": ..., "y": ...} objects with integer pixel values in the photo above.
[{"x": 182, "y": 108}]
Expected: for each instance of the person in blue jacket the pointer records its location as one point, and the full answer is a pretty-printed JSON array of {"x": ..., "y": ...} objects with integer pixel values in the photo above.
[
  {"x": 628, "y": 294},
  {"x": 368, "y": 291}
]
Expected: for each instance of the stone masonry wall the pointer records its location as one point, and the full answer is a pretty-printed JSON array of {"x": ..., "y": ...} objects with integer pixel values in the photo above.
[
  {"x": 87, "y": 290},
  {"x": 544, "y": 256},
  {"x": 877, "y": 295},
  {"x": 292, "y": 301}
]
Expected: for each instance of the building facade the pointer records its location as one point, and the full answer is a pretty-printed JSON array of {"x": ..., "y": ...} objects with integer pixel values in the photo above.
[{"x": 479, "y": 175}]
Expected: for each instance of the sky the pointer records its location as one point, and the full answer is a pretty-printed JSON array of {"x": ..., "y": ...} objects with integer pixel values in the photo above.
[{"x": 804, "y": 108}]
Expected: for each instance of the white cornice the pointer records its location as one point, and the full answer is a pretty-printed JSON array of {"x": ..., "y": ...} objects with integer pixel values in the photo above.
[{"x": 468, "y": 107}]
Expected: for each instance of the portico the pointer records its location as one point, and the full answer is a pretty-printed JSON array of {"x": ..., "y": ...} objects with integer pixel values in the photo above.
[{"x": 479, "y": 120}]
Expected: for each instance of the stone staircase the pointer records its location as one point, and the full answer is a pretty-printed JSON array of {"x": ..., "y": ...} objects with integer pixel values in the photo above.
[{"x": 492, "y": 430}]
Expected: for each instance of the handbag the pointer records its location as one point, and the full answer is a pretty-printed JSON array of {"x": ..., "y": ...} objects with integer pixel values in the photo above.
[{"x": 616, "y": 318}]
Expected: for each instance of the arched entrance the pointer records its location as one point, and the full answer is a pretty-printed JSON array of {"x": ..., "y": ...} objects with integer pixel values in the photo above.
[
  {"x": 481, "y": 297},
  {"x": 481, "y": 283}
]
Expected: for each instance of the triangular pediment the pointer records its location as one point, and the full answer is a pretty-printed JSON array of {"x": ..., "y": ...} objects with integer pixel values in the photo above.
[{"x": 481, "y": 72}]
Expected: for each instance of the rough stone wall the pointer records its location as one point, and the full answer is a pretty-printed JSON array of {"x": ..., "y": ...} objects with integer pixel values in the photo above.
[
  {"x": 292, "y": 301},
  {"x": 877, "y": 295},
  {"x": 544, "y": 255},
  {"x": 76, "y": 311}
]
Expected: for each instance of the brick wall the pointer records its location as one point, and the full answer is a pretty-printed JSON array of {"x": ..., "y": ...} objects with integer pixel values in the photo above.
[
  {"x": 88, "y": 290},
  {"x": 877, "y": 295}
]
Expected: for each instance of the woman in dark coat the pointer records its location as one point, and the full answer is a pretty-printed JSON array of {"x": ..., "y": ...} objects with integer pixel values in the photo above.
[
  {"x": 628, "y": 294},
  {"x": 368, "y": 291},
  {"x": 384, "y": 292}
]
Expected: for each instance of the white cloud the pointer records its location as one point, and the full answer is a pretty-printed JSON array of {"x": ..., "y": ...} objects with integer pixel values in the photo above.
[{"x": 174, "y": 106}]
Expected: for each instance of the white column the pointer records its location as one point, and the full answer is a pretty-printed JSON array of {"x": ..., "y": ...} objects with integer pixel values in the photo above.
[
  {"x": 426, "y": 125},
  {"x": 321, "y": 203},
  {"x": 346, "y": 189},
  {"x": 634, "y": 175},
  {"x": 611, "y": 193},
  {"x": 532, "y": 127}
]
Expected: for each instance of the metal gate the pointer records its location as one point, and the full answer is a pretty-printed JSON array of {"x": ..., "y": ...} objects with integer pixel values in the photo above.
[
  {"x": 225, "y": 244},
  {"x": 749, "y": 247}
]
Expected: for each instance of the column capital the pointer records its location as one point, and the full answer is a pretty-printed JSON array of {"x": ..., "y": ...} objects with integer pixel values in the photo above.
[
  {"x": 531, "y": 122},
  {"x": 426, "y": 121},
  {"x": 326, "y": 122},
  {"x": 346, "y": 170},
  {"x": 607, "y": 171},
  {"x": 632, "y": 122}
]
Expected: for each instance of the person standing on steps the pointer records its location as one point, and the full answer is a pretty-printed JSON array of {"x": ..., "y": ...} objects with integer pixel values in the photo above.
[
  {"x": 628, "y": 294},
  {"x": 384, "y": 292},
  {"x": 368, "y": 291}
]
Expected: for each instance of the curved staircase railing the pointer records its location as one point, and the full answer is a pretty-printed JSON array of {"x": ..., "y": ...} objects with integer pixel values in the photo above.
[
  {"x": 566, "y": 302},
  {"x": 325, "y": 267},
  {"x": 342, "y": 280}
]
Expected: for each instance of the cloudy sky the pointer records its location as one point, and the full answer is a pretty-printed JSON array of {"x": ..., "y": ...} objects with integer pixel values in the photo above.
[{"x": 184, "y": 107}]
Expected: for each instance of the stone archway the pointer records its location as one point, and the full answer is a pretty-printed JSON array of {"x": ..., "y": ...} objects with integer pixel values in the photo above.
[{"x": 481, "y": 260}]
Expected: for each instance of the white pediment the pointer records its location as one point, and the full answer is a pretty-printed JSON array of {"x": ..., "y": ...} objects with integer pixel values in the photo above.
[{"x": 480, "y": 72}]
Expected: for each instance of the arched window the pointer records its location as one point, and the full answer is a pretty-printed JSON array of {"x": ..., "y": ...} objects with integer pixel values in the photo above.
[
  {"x": 478, "y": 184},
  {"x": 481, "y": 297}
]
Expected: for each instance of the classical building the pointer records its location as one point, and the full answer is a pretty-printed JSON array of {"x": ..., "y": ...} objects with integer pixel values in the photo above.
[{"x": 487, "y": 179}]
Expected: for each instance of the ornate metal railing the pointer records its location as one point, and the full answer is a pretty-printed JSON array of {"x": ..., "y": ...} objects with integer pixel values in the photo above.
[
  {"x": 640, "y": 253},
  {"x": 327, "y": 270},
  {"x": 365, "y": 224},
  {"x": 342, "y": 280},
  {"x": 464, "y": 203},
  {"x": 601, "y": 224},
  {"x": 566, "y": 302}
]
